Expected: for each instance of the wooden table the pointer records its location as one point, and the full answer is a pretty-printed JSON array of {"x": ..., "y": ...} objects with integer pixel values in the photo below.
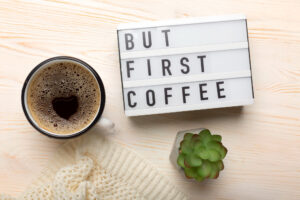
[{"x": 263, "y": 139}]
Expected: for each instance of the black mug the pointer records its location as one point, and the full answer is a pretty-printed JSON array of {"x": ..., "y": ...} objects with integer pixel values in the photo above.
[{"x": 51, "y": 61}]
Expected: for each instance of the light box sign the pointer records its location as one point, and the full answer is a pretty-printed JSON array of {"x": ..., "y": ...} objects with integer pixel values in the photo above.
[{"x": 185, "y": 64}]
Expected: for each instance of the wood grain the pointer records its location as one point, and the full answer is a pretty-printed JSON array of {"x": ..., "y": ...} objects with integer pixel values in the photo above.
[{"x": 263, "y": 139}]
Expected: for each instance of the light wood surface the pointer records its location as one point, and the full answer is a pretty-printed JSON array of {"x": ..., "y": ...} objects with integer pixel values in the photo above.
[{"x": 263, "y": 139}]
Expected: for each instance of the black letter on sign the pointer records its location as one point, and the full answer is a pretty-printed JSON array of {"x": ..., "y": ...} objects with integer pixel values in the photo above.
[
  {"x": 129, "y": 41},
  {"x": 202, "y": 62},
  {"x": 149, "y": 67},
  {"x": 202, "y": 91},
  {"x": 166, "y": 64},
  {"x": 129, "y": 68},
  {"x": 182, "y": 60},
  {"x": 184, "y": 94},
  {"x": 148, "y": 98},
  {"x": 149, "y": 39},
  {"x": 166, "y": 36},
  {"x": 219, "y": 90},
  {"x": 132, "y": 105},
  {"x": 167, "y": 95}
]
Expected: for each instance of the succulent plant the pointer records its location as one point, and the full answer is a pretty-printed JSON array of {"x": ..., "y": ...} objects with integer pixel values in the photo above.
[{"x": 201, "y": 155}]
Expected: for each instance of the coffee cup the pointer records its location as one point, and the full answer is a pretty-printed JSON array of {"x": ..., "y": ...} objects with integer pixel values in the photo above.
[{"x": 63, "y": 97}]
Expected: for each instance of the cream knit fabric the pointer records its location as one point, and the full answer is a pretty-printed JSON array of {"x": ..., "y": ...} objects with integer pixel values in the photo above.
[{"x": 94, "y": 168}]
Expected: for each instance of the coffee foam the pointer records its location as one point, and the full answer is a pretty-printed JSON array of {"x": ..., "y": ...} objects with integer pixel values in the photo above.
[{"x": 63, "y": 79}]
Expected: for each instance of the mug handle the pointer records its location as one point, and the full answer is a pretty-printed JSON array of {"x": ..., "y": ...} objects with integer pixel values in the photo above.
[{"x": 106, "y": 123}]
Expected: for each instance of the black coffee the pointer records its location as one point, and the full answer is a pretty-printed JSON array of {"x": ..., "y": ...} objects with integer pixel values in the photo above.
[
  {"x": 65, "y": 107},
  {"x": 63, "y": 97}
]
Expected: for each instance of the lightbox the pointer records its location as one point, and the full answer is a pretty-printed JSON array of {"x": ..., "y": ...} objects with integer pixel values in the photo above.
[{"x": 185, "y": 64}]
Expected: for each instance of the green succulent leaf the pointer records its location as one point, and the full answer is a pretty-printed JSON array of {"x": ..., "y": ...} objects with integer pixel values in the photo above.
[
  {"x": 204, "y": 133},
  {"x": 205, "y": 136},
  {"x": 195, "y": 139},
  {"x": 180, "y": 160},
  {"x": 220, "y": 165},
  {"x": 214, "y": 156},
  {"x": 215, "y": 145},
  {"x": 217, "y": 138},
  {"x": 203, "y": 153},
  {"x": 214, "y": 171},
  {"x": 199, "y": 178},
  {"x": 204, "y": 170},
  {"x": 186, "y": 164},
  {"x": 190, "y": 172},
  {"x": 188, "y": 136},
  {"x": 193, "y": 160},
  {"x": 223, "y": 152},
  {"x": 186, "y": 148},
  {"x": 198, "y": 145}
]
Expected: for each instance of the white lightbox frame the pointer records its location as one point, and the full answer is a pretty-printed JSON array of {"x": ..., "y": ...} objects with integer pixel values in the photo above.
[{"x": 184, "y": 50}]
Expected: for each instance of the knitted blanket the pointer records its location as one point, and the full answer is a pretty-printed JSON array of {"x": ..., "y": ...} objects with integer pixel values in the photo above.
[{"x": 93, "y": 167}]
